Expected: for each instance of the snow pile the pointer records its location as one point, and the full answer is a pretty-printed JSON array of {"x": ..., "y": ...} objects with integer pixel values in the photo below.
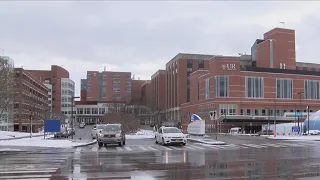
[
  {"x": 299, "y": 138},
  {"x": 40, "y": 142},
  {"x": 10, "y": 134},
  {"x": 141, "y": 134},
  {"x": 9, "y": 150}
]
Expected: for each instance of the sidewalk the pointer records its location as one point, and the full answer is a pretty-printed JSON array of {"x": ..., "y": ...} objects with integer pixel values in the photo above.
[
  {"x": 297, "y": 137},
  {"x": 205, "y": 140}
]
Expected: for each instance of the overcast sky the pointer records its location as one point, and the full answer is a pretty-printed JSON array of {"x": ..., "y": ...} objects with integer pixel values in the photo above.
[{"x": 142, "y": 36}]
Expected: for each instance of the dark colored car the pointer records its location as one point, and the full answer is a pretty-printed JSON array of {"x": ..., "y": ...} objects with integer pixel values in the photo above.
[{"x": 64, "y": 134}]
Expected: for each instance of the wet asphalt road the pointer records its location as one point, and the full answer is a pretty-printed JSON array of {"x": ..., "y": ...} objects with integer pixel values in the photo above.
[{"x": 243, "y": 158}]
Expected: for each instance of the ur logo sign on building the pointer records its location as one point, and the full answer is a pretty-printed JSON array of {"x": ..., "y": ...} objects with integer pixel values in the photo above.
[{"x": 228, "y": 67}]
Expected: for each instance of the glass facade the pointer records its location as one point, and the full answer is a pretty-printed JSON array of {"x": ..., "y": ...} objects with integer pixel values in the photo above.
[{"x": 67, "y": 92}]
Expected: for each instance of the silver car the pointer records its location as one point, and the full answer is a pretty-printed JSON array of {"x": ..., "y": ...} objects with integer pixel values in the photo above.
[{"x": 111, "y": 134}]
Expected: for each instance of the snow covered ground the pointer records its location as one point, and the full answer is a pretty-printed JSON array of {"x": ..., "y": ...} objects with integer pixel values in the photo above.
[
  {"x": 10, "y": 134},
  {"x": 40, "y": 142},
  {"x": 141, "y": 134},
  {"x": 299, "y": 138}
]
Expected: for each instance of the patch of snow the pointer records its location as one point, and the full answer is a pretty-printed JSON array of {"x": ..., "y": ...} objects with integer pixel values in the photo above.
[
  {"x": 40, "y": 142},
  {"x": 8, "y": 149},
  {"x": 141, "y": 134},
  {"x": 301, "y": 138},
  {"x": 11, "y": 134},
  {"x": 136, "y": 175},
  {"x": 207, "y": 141}
]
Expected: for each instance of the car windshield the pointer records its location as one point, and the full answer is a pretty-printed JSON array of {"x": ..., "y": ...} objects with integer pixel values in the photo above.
[
  {"x": 171, "y": 130},
  {"x": 109, "y": 128},
  {"x": 100, "y": 127}
]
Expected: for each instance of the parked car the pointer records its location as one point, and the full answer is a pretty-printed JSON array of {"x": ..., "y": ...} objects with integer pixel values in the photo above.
[
  {"x": 82, "y": 125},
  {"x": 111, "y": 134},
  {"x": 71, "y": 131},
  {"x": 63, "y": 134},
  {"x": 170, "y": 135},
  {"x": 95, "y": 129}
]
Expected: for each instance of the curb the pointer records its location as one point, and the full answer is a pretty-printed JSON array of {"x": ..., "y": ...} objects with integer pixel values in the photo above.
[
  {"x": 87, "y": 144},
  {"x": 203, "y": 142}
]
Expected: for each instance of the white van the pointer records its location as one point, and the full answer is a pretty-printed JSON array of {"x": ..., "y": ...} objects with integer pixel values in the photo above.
[{"x": 235, "y": 130}]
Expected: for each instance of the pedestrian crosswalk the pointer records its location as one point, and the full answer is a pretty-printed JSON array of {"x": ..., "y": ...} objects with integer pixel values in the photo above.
[
  {"x": 38, "y": 166},
  {"x": 195, "y": 146}
]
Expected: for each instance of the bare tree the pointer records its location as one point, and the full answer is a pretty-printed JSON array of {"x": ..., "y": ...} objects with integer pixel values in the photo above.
[
  {"x": 7, "y": 85},
  {"x": 125, "y": 113}
]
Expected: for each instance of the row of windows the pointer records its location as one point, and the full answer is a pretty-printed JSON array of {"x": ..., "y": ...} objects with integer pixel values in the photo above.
[
  {"x": 254, "y": 88},
  {"x": 91, "y": 110},
  {"x": 231, "y": 109},
  {"x": 118, "y": 89}
]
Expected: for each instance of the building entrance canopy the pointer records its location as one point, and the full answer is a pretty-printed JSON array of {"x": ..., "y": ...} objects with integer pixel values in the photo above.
[{"x": 253, "y": 120}]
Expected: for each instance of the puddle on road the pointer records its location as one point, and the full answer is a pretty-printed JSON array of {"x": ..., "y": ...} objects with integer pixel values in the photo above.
[{"x": 179, "y": 165}]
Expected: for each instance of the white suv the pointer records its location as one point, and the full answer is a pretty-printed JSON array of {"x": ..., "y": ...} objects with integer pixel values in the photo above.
[{"x": 170, "y": 135}]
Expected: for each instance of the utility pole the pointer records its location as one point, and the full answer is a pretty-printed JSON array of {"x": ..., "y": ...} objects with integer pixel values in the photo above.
[
  {"x": 308, "y": 119},
  {"x": 275, "y": 118}
]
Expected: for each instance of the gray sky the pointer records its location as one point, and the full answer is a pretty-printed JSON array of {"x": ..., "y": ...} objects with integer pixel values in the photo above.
[{"x": 142, "y": 36}]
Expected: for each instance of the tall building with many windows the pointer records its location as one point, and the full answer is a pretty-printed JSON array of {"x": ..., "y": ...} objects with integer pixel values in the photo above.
[
  {"x": 67, "y": 92},
  {"x": 248, "y": 91},
  {"x": 106, "y": 86}
]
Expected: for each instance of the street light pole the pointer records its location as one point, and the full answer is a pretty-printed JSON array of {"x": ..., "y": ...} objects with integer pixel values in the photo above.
[
  {"x": 275, "y": 117},
  {"x": 72, "y": 118},
  {"x": 308, "y": 119},
  {"x": 300, "y": 93}
]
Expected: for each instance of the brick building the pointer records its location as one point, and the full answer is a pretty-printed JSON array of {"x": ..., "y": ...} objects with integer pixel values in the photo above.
[
  {"x": 62, "y": 87},
  {"x": 158, "y": 83},
  {"x": 106, "y": 86},
  {"x": 251, "y": 90},
  {"x": 30, "y": 101},
  {"x": 178, "y": 72}
]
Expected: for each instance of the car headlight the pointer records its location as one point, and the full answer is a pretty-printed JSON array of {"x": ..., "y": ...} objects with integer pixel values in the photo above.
[
  {"x": 118, "y": 135},
  {"x": 100, "y": 135}
]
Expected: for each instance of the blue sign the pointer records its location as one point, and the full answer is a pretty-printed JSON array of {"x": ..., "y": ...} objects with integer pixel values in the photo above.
[
  {"x": 52, "y": 126},
  {"x": 298, "y": 114},
  {"x": 295, "y": 129}
]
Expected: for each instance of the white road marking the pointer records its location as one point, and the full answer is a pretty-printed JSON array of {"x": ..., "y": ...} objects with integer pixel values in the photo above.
[
  {"x": 128, "y": 148},
  {"x": 150, "y": 147},
  {"x": 28, "y": 176},
  {"x": 196, "y": 147},
  {"x": 166, "y": 148},
  {"x": 119, "y": 149},
  {"x": 175, "y": 148},
  {"x": 95, "y": 148},
  {"x": 253, "y": 145},
  {"x": 143, "y": 148},
  {"x": 26, "y": 171},
  {"x": 188, "y": 147}
]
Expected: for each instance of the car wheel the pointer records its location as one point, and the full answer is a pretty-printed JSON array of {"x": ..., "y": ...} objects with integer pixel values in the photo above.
[
  {"x": 100, "y": 144},
  {"x": 120, "y": 143},
  {"x": 163, "y": 143}
]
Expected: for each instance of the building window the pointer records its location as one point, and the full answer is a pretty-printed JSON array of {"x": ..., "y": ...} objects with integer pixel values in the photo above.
[
  {"x": 270, "y": 113},
  {"x": 201, "y": 64},
  {"x": 87, "y": 110},
  {"x": 221, "y": 86},
  {"x": 188, "y": 94},
  {"x": 207, "y": 88},
  {"x": 254, "y": 87},
  {"x": 278, "y": 112},
  {"x": 116, "y": 95},
  {"x": 128, "y": 83},
  {"x": 248, "y": 112},
  {"x": 94, "y": 110},
  {"x": 116, "y": 89},
  {"x": 256, "y": 112},
  {"x": 189, "y": 70},
  {"x": 101, "y": 110},
  {"x": 304, "y": 68},
  {"x": 241, "y": 112},
  {"x": 116, "y": 82},
  {"x": 284, "y": 88},
  {"x": 311, "y": 89},
  {"x": 116, "y": 76},
  {"x": 263, "y": 112},
  {"x": 79, "y": 110},
  {"x": 228, "y": 109},
  {"x": 128, "y": 89}
]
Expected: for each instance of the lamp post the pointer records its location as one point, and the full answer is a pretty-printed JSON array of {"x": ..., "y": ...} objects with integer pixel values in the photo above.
[
  {"x": 308, "y": 119},
  {"x": 275, "y": 117},
  {"x": 72, "y": 120},
  {"x": 300, "y": 93}
]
